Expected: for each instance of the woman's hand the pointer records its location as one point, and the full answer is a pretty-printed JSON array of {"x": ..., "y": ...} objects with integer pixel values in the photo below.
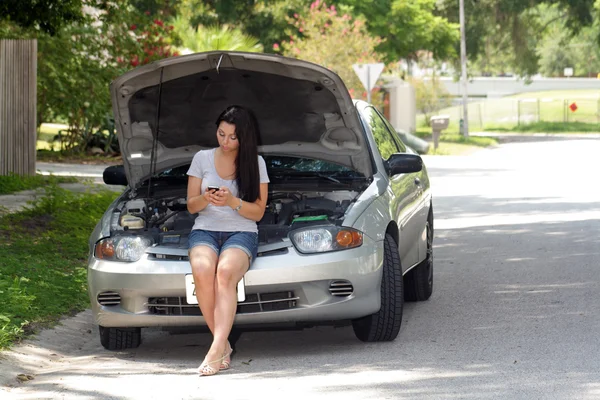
[
  {"x": 208, "y": 194},
  {"x": 220, "y": 198}
]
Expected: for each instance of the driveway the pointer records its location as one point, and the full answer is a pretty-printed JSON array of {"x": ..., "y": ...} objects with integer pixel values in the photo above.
[{"x": 514, "y": 313}]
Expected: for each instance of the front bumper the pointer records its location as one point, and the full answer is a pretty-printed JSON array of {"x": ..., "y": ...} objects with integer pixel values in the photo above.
[{"x": 308, "y": 278}]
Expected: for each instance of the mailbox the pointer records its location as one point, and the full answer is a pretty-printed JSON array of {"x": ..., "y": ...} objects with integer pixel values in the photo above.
[{"x": 438, "y": 124}]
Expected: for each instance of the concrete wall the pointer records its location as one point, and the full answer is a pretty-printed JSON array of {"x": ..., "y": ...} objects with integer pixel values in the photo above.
[
  {"x": 402, "y": 107},
  {"x": 497, "y": 87}
]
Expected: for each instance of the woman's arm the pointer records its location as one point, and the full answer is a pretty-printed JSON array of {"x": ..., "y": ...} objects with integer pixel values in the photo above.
[
  {"x": 253, "y": 211},
  {"x": 196, "y": 201}
]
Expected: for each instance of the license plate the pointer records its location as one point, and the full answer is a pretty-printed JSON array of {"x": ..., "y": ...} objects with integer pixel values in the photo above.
[{"x": 190, "y": 290}]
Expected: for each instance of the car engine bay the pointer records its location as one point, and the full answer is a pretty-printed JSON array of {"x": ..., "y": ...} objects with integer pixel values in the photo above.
[{"x": 167, "y": 219}]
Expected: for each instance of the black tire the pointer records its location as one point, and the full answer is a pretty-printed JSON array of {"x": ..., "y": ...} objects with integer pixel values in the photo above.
[
  {"x": 418, "y": 282},
  {"x": 384, "y": 325},
  {"x": 120, "y": 338}
]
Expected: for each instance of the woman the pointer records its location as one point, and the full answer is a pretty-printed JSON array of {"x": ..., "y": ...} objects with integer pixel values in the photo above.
[{"x": 224, "y": 240}]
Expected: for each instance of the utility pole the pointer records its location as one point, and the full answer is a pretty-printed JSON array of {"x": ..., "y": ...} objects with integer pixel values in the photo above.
[{"x": 463, "y": 62}]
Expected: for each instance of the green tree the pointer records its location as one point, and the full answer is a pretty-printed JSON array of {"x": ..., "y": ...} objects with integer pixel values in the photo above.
[
  {"x": 266, "y": 20},
  {"x": 514, "y": 28},
  {"x": 33, "y": 16},
  {"x": 156, "y": 8},
  {"x": 560, "y": 49},
  {"x": 325, "y": 37},
  {"x": 431, "y": 96},
  {"x": 408, "y": 27},
  {"x": 76, "y": 66}
]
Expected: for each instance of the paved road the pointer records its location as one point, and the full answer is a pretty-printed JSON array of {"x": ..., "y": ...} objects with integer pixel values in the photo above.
[
  {"x": 514, "y": 315},
  {"x": 82, "y": 170}
]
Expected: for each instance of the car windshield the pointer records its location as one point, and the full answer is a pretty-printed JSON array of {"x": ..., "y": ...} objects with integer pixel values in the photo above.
[
  {"x": 169, "y": 177},
  {"x": 278, "y": 166}
]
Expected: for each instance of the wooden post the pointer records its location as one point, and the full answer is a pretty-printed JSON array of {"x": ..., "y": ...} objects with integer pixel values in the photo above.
[{"x": 18, "y": 76}]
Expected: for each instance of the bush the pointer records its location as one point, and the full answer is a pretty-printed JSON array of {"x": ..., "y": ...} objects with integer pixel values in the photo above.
[
  {"x": 76, "y": 66},
  {"x": 316, "y": 36},
  {"x": 431, "y": 96}
]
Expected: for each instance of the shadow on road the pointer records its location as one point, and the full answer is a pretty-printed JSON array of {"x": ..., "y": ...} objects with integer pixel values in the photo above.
[{"x": 514, "y": 315}]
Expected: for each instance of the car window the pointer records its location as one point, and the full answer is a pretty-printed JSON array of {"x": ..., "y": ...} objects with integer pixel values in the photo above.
[
  {"x": 394, "y": 134},
  {"x": 383, "y": 138}
]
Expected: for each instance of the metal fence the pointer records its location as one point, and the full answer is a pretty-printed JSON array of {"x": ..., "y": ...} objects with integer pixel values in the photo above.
[{"x": 503, "y": 112}]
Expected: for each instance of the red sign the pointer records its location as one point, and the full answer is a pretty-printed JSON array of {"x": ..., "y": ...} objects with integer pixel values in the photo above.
[{"x": 573, "y": 107}]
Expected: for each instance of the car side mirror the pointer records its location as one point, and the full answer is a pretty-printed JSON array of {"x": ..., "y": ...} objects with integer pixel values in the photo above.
[
  {"x": 404, "y": 163},
  {"x": 115, "y": 175}
]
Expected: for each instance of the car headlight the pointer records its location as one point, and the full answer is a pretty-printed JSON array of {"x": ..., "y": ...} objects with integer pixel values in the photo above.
[
  {"x": 321, "y": 239},
  {"x": 123, "y": 248}
]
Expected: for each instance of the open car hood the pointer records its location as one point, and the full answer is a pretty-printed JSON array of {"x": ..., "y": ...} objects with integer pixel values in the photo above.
[{"x": 302, "y": 109}]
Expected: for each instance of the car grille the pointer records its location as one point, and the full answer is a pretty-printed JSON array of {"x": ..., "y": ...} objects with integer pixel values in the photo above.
[
  {"x": 109, "y": 299},
  {"x": 255, "y": 303},
  {"x": 341, "y": 288},
  {"x": 167, "y": 257},
  {"x": 167, "y": 253}
]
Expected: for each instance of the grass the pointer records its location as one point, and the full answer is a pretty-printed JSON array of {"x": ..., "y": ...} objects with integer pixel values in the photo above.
[
  {"x": 454, "y": 144},
  {"x": 547, "y": 127},
  {"x": 530, "y": 108},
  {"x": 471, "y": 140},
  {"x": 48, "y": 130},
  {"x": 451, "y": 149},
  {"x": 46, "y": 134},
  {"x": 44, "y": 251},
  {"x": 15, "y": 183}
]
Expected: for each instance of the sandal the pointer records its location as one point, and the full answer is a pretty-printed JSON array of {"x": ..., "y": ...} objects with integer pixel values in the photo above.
[
  {"x": 226, "y": 363},
  {"x": 206, "y": 370}
]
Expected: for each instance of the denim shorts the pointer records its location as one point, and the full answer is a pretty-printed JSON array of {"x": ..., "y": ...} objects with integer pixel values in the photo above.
[{"x": 220, "y": 241}]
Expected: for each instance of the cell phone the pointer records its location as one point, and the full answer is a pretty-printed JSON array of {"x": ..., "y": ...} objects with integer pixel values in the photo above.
[{"x": 213, "y": 188}]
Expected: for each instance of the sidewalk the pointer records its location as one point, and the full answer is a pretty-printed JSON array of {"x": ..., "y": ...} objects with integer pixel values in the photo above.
[{"x": 15, "y": 202}]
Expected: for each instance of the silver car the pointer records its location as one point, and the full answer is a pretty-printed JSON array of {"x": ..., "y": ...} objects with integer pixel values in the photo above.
[{"x": 347, "y": 233}]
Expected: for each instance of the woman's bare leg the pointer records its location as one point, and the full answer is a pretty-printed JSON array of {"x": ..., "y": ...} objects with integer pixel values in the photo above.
[
  {"x": 231, "y": 267},
  {"x": 203, "y": 260}
]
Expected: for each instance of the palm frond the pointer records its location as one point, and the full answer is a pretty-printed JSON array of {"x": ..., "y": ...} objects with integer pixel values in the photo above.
[{"x": 208, "y": 38}]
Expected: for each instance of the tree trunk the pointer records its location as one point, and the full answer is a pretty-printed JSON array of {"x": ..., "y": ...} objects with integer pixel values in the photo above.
[{"x": 18, "y": 69}]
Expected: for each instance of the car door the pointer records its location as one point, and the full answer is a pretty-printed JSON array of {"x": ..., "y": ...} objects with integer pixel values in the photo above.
[
  {"x": 403, "y": 190},
  {"x": 419, "y": 216}
]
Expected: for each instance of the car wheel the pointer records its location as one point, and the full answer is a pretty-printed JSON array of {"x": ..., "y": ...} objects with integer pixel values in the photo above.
[
  {"x": 120, "y": 338},
  {"x": 384, "y": 325},
  {"x": 418, "y": 282}
]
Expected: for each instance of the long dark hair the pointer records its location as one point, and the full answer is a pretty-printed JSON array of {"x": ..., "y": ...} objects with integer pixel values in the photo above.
[{"x": 246, "y": 163}]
